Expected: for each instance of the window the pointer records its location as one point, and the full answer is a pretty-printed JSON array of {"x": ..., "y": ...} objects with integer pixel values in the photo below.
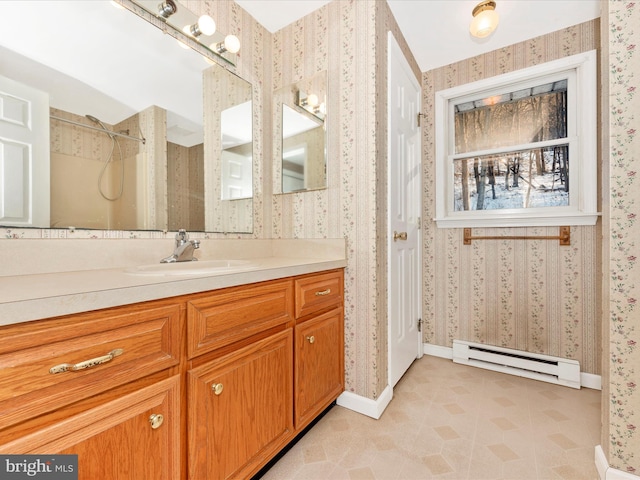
[{"x": 519, "y": 149}]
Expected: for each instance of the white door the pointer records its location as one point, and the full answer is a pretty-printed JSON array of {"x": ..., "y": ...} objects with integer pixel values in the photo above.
[
  {"x": 405, "y": 343},
  {"x": 24, "y": 155}
]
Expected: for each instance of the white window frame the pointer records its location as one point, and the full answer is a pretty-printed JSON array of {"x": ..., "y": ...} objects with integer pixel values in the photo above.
[{"x": 580, "y": 70}]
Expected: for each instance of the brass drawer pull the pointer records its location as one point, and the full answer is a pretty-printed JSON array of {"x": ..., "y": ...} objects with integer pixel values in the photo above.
[
  {"x": 323, "y": 292},
  {"x": 66, "y": 367},
  {"x": 217, "y": 388},
  {"x": 311, "y": 338}
]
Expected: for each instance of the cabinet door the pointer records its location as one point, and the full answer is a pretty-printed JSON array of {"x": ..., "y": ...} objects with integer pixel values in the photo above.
[
  {"x": 319, "y": 368},
  {"x": 241, "y": 409},
  {"x": 117, "y": 440}
]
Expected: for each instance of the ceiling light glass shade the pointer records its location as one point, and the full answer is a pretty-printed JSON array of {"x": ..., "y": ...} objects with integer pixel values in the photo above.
[{"x": 485, "y": 19}]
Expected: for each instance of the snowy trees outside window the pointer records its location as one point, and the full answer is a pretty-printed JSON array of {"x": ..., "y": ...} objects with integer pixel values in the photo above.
[{"x": 519, "y": 149}]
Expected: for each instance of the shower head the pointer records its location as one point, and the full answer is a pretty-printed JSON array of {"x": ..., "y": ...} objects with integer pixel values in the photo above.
[{"x": 96, "y": 120}]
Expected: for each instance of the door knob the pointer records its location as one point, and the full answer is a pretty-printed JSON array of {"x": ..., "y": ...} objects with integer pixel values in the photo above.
[{"x": 399, "y": 236}]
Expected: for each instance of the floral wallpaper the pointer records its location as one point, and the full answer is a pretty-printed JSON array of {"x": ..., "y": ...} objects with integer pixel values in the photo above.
[
  {"x": 531, "y": 295},
  {"x": 622, "y": 435},
  {"x": 347, "y": 38}
]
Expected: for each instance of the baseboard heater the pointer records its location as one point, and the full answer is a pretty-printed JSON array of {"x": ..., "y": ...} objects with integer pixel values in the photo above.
[{"x": 560, "y": 371}]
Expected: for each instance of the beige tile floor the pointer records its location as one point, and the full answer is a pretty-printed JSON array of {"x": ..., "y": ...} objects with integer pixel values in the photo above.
[{"x": 449, "y": 421}]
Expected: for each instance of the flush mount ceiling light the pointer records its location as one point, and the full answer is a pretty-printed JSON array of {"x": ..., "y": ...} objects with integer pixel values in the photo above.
[{"x": 485, "y": 19}]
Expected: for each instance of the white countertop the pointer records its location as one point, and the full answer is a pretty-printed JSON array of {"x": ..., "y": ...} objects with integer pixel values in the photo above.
[{"x": 42, "y": 295}]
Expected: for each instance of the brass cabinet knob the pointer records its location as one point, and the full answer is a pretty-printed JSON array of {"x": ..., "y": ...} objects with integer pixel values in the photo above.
[
  {"x": 311, "y": 338},
  {"x": 156, "y": 420},
  {"x": 217, "y": 388}
]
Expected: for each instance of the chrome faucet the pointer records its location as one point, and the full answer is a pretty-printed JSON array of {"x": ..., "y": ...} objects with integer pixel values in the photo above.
[{"x": 184, "y": 249}]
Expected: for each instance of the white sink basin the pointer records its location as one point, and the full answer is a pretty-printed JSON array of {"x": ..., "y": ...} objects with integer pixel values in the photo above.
[{"x": 202, "y": 267}]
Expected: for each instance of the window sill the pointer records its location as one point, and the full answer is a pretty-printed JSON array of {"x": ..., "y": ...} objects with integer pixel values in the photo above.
[{"x": 505, "y": 220}]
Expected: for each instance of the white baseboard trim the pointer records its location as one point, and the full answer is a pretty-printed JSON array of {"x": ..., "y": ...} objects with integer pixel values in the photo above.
[
  {"x": 608, "y": 473},
  {"x": 364, "y": 405},
  {"x": 438, "y": 351},
  {"x": 587, "y": 380}
]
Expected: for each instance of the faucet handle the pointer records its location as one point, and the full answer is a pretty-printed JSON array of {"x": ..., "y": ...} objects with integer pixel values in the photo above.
[{"x": 181, "y": 237}]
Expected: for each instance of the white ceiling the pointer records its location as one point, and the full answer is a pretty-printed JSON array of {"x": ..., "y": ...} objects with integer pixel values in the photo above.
[{"x": 437, "y": 31}]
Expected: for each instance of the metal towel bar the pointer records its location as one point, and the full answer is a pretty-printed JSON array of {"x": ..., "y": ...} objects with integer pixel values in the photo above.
[{"x": 564, "y": 236}]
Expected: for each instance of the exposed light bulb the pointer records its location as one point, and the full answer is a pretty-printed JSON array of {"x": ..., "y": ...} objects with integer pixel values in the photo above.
[
  {"x": 166, "y": 9},
  {"x": 206, "y": 25},
  {"x": 312, "y": 100},
  {"x": 230, "y": 44}
]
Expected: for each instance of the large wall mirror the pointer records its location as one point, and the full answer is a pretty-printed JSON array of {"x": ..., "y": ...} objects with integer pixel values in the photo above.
[
  {"x": 122, "y": 124},
  {"x": 300, "y": 120}
]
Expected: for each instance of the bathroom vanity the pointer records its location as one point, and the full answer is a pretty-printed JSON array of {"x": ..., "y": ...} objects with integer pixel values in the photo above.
[{"x": 211, "y": 383}]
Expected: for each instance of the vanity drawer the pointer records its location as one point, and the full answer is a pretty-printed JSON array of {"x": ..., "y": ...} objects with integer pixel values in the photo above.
[
  {"x": 318, "y": 292},
  {"x": 52, "y": 363},
  {"x": 233, "y": 314}
]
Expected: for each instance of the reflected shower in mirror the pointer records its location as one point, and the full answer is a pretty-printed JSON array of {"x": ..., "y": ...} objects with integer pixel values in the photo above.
[
  {"x": 301, "y": 111},
  {"x": 103, "y": 90}
]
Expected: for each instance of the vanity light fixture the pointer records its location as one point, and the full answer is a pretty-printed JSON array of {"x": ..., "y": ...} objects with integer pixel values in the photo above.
[
  {"x": 166, "y": 9},
  {"x": 485, "y": 19},
  {"x": 230, "y": 44},
  {"x": 311, "y": 103},
  {"x": 205, "y": 26}
]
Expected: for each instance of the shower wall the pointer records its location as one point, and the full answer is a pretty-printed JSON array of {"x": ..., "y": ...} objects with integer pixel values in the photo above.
[
  {"x": 77, "y": 156},
  {"x": 185, "y": 187}
]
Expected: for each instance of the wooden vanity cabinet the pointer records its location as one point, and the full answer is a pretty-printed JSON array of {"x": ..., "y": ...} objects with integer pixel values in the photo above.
[
  {"x": 241, "y": 409},
  {"x": 104, "y": 385},
  {"x": 319, "y": 344},
  {"x": 136, "y": 436},
  {"x": 204, "y": 386},
  {"x": 240, "y": 397}
]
